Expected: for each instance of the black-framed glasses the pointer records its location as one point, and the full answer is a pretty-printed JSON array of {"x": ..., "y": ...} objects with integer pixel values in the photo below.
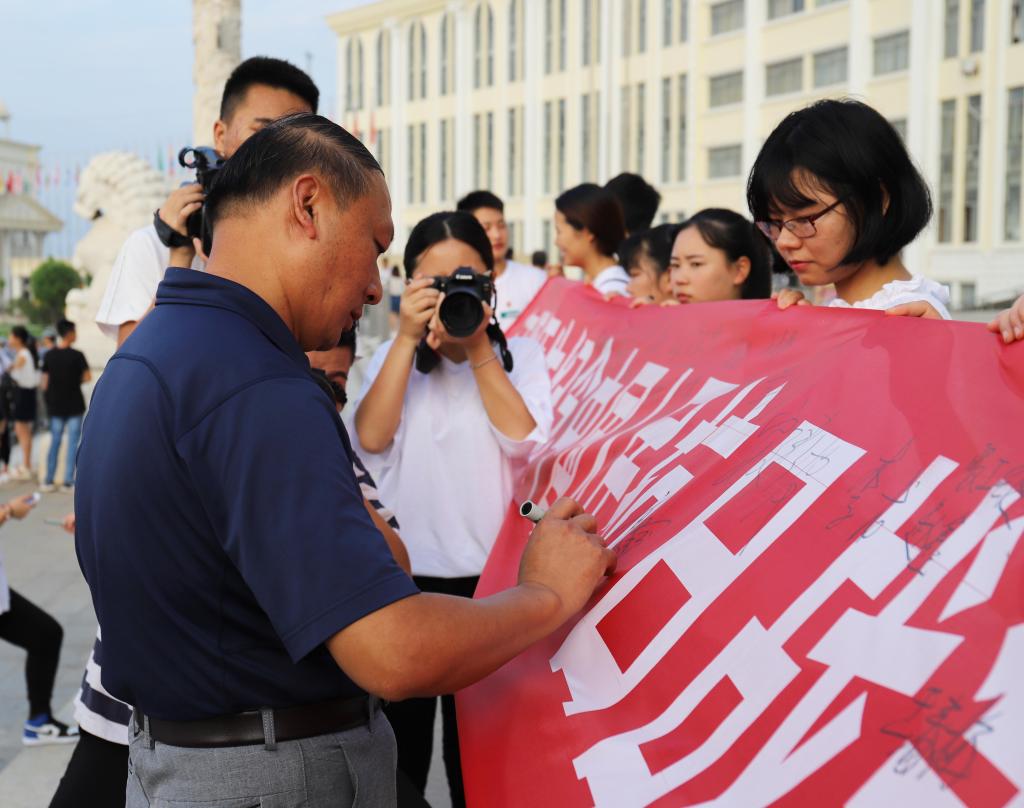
[{"x": 801, "y": 226}]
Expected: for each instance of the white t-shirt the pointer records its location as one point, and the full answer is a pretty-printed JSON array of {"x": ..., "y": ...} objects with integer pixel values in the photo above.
[
  {"x": 27, "y": 376},
  {"x": 138, "y": 270},
  {"x": 896, "y": 293},
  {"x": 516, "y": 287},
  {"x": 448, "y": 472},
  {"x": 612, "y": 281}
]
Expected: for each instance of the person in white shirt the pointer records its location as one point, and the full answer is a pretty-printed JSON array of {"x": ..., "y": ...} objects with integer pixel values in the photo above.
[
  {"x": 441, "y": 424},
  {"x": 589, "y": 226},
  {"x": 25, "y": 373},
  {"x": 836, "y": 191},
  {"x": 516, "y": 284}
]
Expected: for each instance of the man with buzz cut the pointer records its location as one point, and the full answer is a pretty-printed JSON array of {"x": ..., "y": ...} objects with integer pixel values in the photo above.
[
  {"x": 515, "y": 284},
  {"x": 251, "y": 611}
]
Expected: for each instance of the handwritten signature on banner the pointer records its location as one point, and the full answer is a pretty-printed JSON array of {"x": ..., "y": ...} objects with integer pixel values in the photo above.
[{"x": 819, "y": 577}]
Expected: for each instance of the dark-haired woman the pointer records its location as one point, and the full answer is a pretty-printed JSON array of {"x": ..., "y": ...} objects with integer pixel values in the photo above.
[
  {"x": 836, "y": 191},
  {"x": 25, "y": 373},
  {"x": 440, "y": 425},
  {"x": 589, "y": 226},
  {"x": 719, "y": 255},
  {"x": 646, "y": 256}
]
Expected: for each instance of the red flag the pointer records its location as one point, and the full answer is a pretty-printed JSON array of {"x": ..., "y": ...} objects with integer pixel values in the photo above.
[{"x": 819, "y": 523}]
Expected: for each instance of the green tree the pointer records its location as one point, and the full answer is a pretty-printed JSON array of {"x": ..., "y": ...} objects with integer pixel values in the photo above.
[{"x": 50, "y": 283}]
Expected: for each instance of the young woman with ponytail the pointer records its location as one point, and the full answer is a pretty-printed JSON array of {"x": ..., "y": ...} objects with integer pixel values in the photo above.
[{"x": 440, "y": 425}]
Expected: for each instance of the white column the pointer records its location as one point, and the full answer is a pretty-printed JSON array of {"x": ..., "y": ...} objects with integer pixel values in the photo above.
[
  {"x": 860, "y": 47},
  {"x": 533, "y": 63},
  {"x": 610, "y": 122},
  {"x": 996, "y": 99},
  {"x": 923, "y": 110},
  {"x": 399, "y": 163},
  {"x": 753, "y": 87},
  {"x": 465, "y": 147},
  {"x": 217, "y": 41}
]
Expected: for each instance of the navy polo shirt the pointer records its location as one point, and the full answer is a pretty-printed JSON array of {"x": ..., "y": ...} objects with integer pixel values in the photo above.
[{"x": 219, "y": 524}]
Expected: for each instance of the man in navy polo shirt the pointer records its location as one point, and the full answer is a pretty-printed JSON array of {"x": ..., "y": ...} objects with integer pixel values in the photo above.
[{"x": 248, "y": 609}]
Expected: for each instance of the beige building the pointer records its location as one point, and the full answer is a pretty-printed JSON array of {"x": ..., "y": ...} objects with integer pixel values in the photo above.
[{"x": 529, "y": 97}]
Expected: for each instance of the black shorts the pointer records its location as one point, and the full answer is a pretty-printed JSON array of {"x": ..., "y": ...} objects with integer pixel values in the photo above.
[{"x": 25, "y": 404}]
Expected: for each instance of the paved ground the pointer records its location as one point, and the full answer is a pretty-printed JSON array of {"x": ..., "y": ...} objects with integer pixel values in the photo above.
[{"x": 41, "y": 564}]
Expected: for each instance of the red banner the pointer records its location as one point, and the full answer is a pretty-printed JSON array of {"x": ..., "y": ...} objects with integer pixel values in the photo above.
[{"x": 819, "y": 598}]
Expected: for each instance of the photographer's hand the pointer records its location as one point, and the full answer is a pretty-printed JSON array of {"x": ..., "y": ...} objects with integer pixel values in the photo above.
[
  {"x": 181, "y": 204},
  {"x": 418, "y": 306}
]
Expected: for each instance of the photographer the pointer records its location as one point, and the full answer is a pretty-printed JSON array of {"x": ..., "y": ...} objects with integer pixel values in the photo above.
[
  {"x": 441, "y": 438},
  {"x": 260, "y": 90}
]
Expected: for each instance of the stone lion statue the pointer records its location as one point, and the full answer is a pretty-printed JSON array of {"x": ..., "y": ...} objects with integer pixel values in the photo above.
[{"x": 117, "y": 192}]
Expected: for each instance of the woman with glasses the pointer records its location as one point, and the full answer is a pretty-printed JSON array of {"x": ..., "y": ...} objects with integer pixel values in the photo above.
[
  {"x": 719, "y": 255},
  {"x": 836, "y": 192}
]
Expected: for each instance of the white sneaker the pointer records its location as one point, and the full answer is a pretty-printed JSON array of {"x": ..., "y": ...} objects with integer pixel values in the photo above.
[
  {"x": 5, "y": 478},
  {"x": 47, "y": 488},
  {"x": 65, "y": 488},
  {"x": 21, "y": 474}
]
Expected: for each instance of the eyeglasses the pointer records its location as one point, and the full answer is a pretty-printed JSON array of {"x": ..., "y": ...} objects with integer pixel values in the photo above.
[{"x": 801, "y": 227}]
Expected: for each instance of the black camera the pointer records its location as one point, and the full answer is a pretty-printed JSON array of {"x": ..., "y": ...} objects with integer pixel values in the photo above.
[
  {"x": 465, "y": 293},
  {"x": 207, "y": 164}
]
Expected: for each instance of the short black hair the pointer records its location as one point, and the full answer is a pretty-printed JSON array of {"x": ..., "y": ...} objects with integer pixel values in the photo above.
[
  {"x": 656, "y": 243},
  {"x": 593, "y": 208},
  {"x": 64, "y": 327},
  {"x": 847, "y": 149},
  {"x": 444, "y": 225},
  {"x": 639, "y": 200},
  {"x": 737, "y": 237},
  {"x": 475, "y": 200},
  {"x": 284, "y": 149},
  {"x": 348, "y": 340},
  {"x": 270, "y": 72},
  {"x": 539, "y": 258}
]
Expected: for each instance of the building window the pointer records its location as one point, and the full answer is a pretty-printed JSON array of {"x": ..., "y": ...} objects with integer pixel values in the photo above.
[
  {"x": 383, "y": 57},
  {"x": 548, "y": 144},
  {"x": 784, "y": 77},
  {"x": 354, "y": 75},
  {"x": 641, "y": 126},
  {"x": 588, "y": 136},
  {"x": 830, "y": 67},
  {"x": 726, "y": 89},
  {"x": 781, "y": 8},
  {"x": 417, "y": 61},
  {"x": 477, "y": 151},
  {"x": 666, "y": 129},
  {"x": 726, "y": 16},
  {"x": 977, "y": 25},
  {"x": 892, "y": 53},
  {"x": 1017, "y": 22},
  {"x": 549, "y": 36},
  {"x": 625, "y": 146},
  {"x": 545, "y": 237},
  {"x": 513, "y": 153},
  {"x": 947, "y": 136},
  {"x": 681, "y": 131},
  {"x": 669, "y": 27},
  {"x": 900, "y": 125},
  {"x": 667, "y": 8},
  {"x": 410, "y": 163},
  {"x": 968, "y": 295},
  {"x": 514, "y": 28},
  {"x": 444, "y": 55},
  {"x": 641, "y": 26},
  {"x": 483, "y": 46},
  {"x": 1014, "y": 164},
  {"x": 443, "y": 170},
  {"x": 971, "y": 168},
  {"x": 561, "y": 144},
  {"x": 490, "y": 150},
  {"x": 951, "y": 30},
  {"x": 587, "y": 40},
  {"x": 423, "y": 163},
  {"x": 627, "y": 28},
  {"x": 563, "y": 33},
  {"x": 724, "y": 161},
  {"x": 383, "y": 155}
]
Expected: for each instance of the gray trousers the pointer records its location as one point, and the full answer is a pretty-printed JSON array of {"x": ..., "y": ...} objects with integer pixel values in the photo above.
[{"x": 352, "y": 768}]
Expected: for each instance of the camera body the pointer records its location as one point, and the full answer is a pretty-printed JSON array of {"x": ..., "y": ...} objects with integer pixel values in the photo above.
[
  {"x": 207, "y": 164},
  {"x": 465, "y": 292}
]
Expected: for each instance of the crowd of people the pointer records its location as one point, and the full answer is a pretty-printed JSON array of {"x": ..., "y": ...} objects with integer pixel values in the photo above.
[{"x": 265, "y": 578}]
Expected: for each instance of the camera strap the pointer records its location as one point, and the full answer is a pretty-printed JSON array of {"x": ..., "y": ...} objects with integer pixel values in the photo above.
[{"x": 168, "y": 236}]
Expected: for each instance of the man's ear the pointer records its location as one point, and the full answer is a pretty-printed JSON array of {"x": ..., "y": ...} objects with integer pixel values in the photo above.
[
  {"x": 220, "y": 129},
  {"x": 306, "y": 195}
]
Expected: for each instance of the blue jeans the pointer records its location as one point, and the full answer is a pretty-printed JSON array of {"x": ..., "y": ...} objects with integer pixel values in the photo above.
[{"x": 74, "y": 425}]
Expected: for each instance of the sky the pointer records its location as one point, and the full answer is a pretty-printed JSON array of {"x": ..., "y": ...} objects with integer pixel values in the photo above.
[{"x": 83, "y": 77}]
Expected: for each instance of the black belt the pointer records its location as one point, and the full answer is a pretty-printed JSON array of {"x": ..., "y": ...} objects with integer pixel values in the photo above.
[{"x": 245, "y": 729}]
